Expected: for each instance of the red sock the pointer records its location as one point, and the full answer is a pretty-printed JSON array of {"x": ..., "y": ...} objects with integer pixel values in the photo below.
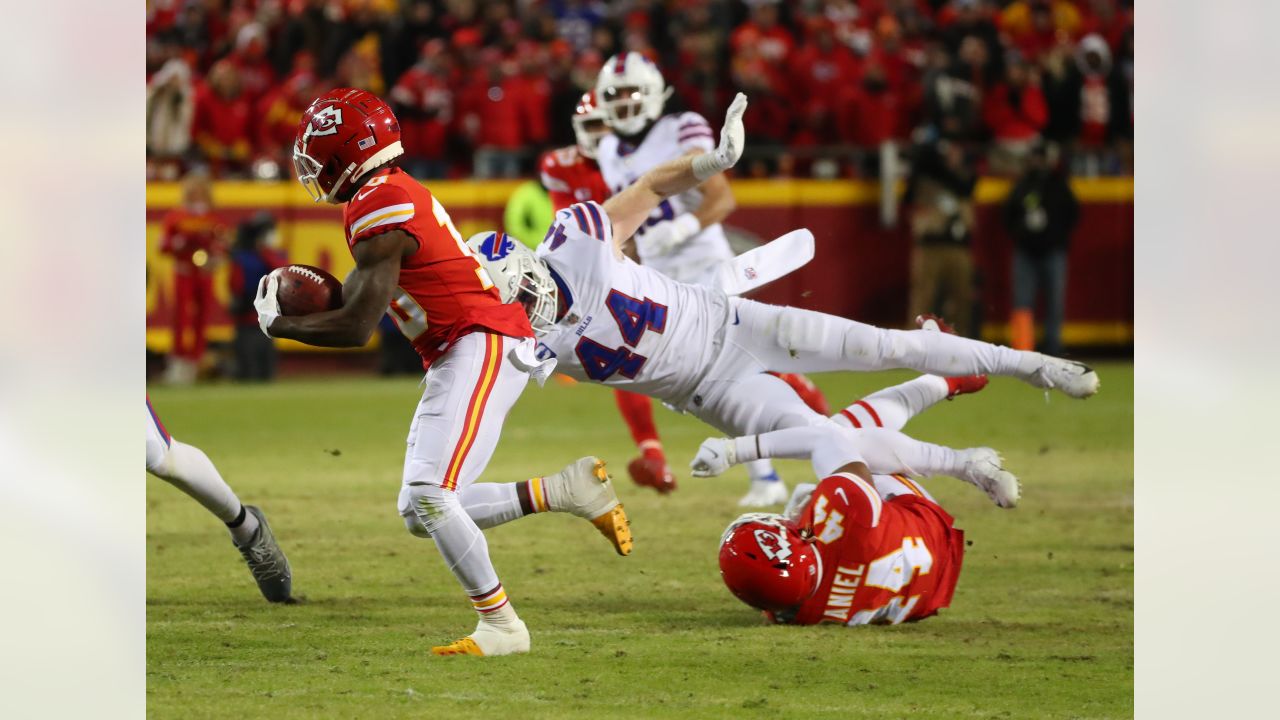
[{"x": 637, "y": 411}]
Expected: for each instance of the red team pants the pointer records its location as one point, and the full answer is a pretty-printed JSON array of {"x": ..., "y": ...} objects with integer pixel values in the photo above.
[{"x": 192, "y": 300}]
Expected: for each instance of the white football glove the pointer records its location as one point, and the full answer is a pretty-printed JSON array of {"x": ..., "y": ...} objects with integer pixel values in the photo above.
[
  {"x": 266, "y": 303},
  {"x": 665, "y": 237},
  {"x": 732, "y": 141},
  {"x": 714, "y": 457}
]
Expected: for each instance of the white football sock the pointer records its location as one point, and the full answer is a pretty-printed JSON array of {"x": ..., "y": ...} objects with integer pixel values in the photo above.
[
  {"x": 491, "y": 504},
  {"x": 187, "y": 468},
  {"x": 462, "y": 545},
  {"x": 894, "y": 406}
]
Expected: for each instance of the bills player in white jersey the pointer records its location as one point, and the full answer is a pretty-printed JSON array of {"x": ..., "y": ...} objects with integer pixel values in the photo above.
[
  {"x": 187, "y": 468},
  {"x": 609, "y": 320},
  {"x": 682, "y": 238}
]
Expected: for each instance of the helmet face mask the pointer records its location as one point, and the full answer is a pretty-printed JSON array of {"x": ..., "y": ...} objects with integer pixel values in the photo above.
[
  {"x": 766, "y": 564},
  {"x": 343, "y": 136},
  {"x": 631, "y": 92},
  {"x": 519, "y": 276},
  {"x": 589, "y": 125}
]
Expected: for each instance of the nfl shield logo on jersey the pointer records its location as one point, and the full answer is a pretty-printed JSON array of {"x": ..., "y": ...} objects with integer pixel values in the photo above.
[{"x": 497, "y": 245}]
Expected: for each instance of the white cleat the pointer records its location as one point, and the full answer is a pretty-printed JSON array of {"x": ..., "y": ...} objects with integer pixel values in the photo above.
[
  {"x": 982, "y": 468},
  {"x": 489, "y": 640},
  {"x": 764, "y": 493},
  {"x": 585, "y": 489},
  {"x": 1074, "y": 379}
]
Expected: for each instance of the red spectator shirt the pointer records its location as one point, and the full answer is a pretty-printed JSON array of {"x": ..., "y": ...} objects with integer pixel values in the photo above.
[
  {"x": 443, "y": 293},
  {"x": 571, "y": 177},
  {"x": 883, "y": 562},
  {"x": 1015, "y": 115},
  {"x": 425, "y": 130},
  {"x": 185, "y": 234},
  {"x": 222, "y": 125}
]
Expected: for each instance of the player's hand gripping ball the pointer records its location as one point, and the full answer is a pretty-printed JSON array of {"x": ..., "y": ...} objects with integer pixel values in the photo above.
[
  {"x": 304, "y": 290},
  {"x": 295, "y": 290}
]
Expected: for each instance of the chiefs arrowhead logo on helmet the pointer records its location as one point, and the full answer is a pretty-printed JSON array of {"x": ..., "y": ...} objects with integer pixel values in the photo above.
[
  {"x": 324, "y": 122},
  {"x": 767, "y": 564},
  {"x": 342, "y": 137},
  {"x": 773, "y": 544}
]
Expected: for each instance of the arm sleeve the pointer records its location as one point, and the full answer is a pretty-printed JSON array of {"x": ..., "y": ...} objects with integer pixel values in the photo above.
[{"x": 828, "y": 447}]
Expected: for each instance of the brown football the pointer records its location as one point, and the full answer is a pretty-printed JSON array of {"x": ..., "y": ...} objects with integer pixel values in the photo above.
[{"x": 304, "y": 290}]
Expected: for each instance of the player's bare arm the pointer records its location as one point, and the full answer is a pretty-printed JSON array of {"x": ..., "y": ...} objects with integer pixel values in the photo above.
[
  {"x": 365, "y": 296},
  {"x": 717, "y": 201},
  {"x": 630, "y": 208}
]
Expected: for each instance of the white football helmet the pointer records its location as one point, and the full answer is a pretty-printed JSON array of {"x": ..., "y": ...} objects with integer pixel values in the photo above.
[
  {"x": 519, "y": 276},
  {"x": 589, "y": 124},
  {"x": 631, "y": 91}
]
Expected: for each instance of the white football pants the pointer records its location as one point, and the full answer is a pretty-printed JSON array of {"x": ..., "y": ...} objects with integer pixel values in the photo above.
[
  {"x": 455, "y": 429},
  {"x": 739, "y": 398}
]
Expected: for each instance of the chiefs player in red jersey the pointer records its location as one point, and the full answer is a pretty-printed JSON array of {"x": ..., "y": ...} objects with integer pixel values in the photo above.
[
  {"x": 195, "y": 239},
  {"x": 479, "y": 353},
  {"x": 867, "y": 545},
  {"x": 571, "y": 175}
]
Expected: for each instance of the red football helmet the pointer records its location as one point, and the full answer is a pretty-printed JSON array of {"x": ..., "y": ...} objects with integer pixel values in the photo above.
[
  {"x": 344, "y": 134},
  {"x": 589, "y": 124},
  {"x": 767, "y": 564}
]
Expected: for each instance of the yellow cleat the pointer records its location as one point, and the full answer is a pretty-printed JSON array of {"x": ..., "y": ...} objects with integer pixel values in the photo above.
[
  {"x": 614, "y": 524},
  {"x": 489, "y": 641},
  {"x": 465, "y": 646},
  {"x": 584, "y": 488},
  {"x": 616, "y": 528}
]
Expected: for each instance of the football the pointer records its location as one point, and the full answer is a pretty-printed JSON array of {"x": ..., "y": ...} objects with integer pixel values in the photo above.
[{"x": 304, "y": 289}]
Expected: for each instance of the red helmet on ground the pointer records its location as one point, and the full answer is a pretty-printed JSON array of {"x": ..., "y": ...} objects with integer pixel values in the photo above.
[
  {"x": 344, "y": 134},
  {"x": 767, "y": 564}
]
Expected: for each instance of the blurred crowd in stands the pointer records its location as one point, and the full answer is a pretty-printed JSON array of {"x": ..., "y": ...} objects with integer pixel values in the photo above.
[{"x": 830, "y": 81}]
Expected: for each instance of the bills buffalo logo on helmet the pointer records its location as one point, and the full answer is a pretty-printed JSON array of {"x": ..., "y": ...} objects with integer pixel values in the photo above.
[
  {"x": 497, "y": 246},
  {"x": 773, "y": 544},
  {"x": 324, "y": 122}
]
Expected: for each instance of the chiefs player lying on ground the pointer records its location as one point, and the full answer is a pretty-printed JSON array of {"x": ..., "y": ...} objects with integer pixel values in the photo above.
[{"x": 862, "y": 547}]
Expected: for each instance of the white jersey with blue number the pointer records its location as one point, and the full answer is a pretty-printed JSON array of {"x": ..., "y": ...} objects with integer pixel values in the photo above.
[
  {"x": 626, "y": 325},
  {"x": 622, "y": 164}
]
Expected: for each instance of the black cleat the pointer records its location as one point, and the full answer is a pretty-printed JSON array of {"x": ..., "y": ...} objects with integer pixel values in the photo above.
[{"x": 267, "y": 562}]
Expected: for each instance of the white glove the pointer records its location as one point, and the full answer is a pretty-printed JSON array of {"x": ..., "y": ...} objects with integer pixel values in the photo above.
[
  {"x": 266, "y": 303},
  {"x": 663, "y": 238},
  {"x": 732, "y": 141},
  {"x": 714, "y": 457}
]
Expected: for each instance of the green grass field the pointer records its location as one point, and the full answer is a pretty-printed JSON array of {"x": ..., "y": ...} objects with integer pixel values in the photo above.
[{"x": 1041, "y": 624}]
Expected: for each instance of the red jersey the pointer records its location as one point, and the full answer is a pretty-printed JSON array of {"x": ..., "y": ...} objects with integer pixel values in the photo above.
[
  {"x": 191, "y": 239},
  {"x": 882, "y": 562},
  {"x": 571, "y": 177},
  {"x": 443, "y": 291}
]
